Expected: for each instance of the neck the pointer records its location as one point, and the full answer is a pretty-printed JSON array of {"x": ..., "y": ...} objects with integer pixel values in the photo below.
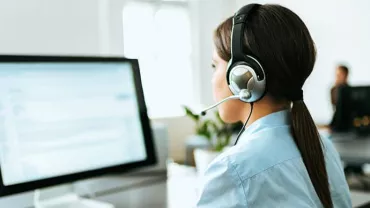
[{"x": 261, "y": 109}]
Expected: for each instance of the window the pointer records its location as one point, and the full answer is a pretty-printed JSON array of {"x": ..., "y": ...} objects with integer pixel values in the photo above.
[{"x": 158, "y": 34}]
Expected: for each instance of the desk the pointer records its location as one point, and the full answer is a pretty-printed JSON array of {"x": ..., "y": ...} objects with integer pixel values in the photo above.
[
  {"x": 178, "y": 191},
  {"x": 352, "y": 148},
  {"x": 175, "y": 189},
  {"x": 355, "y": 150},
  {"x": 182, "y": 186}
]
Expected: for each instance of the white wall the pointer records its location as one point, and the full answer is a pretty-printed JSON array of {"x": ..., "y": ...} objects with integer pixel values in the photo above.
[
  {"x": 42, "y": 26},
  {"x": 85, "y": 27},
  {"x": 341, "y": 30}
]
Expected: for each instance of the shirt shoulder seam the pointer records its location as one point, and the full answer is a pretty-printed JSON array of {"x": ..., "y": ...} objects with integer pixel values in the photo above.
[
  {"x": 240, "y": 179},
  {"x": 268, "y": 168}
]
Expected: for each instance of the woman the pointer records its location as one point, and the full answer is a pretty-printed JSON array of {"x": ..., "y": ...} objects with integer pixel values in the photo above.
[
  {"x": 279, "y": 160},
  {"x": 341, "y": 80}
]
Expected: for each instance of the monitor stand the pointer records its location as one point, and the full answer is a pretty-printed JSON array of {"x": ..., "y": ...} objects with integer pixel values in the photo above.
[{"x": 64, "y": 196}]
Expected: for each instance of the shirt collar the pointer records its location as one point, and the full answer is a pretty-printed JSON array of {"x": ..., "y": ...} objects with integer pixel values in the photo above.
[{"x": 279, "y": 118}]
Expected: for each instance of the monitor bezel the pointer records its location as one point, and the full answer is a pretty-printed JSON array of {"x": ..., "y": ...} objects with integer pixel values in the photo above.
[{"x": 145, "y": 123}]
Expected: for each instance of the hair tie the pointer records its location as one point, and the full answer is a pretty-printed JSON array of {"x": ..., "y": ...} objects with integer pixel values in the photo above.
[{"x": 297, "y": 95}]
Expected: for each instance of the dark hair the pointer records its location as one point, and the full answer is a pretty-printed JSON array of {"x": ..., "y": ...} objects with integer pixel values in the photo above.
[
  {"x": 344, "y": 69},
  {"x": 280, "y": 40}
]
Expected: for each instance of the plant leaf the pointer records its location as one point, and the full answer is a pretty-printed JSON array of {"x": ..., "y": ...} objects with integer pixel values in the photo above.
[
  {"x": 190, "y": 114},
  {"x": 204, "y": 130}
]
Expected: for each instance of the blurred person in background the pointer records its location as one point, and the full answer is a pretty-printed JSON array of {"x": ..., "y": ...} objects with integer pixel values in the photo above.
[{"x": 341, "y": 80}]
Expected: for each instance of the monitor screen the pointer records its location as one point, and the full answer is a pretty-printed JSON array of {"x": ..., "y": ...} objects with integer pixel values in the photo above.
[{"x": 61, "y": 118}]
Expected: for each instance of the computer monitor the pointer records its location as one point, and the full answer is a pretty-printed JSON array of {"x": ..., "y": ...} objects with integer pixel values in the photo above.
[
  {"x": 64, "y": 119},
  {"x": 352, "y": 112}
]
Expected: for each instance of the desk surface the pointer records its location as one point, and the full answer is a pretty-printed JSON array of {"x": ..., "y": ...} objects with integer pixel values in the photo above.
[
  {"x": 352, "y": 148},
  {"x": 178, "y": 191}
]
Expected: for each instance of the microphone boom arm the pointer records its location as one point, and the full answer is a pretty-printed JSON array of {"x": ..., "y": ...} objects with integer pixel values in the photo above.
[{"x": 234, "y": 97}]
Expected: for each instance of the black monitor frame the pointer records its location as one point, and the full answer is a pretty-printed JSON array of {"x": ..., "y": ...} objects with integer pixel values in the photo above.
[
  {"x": 348, "y": 108},
  {"x": 147, "y": 131}
]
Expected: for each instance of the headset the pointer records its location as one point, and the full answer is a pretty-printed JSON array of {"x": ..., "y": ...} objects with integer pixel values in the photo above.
[{"x": 245, "y": 75}]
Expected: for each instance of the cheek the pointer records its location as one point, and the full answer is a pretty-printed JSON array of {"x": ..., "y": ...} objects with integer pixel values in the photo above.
[
  {"x": 216, "y": 80},
  {"x": 218, "y": 83}
]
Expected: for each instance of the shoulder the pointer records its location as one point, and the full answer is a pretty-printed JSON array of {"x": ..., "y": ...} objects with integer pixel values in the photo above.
[
  {"x": 221, "y": 186},
  {"x": 260, "y": 152}
]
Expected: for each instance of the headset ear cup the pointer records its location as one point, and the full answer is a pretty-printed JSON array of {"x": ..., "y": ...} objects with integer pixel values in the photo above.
[
  {"x": 250, "y": 84},
  {"x": 243, "y": 76},
  {"x": 230, "y": 67},
  {"x": 238, "y": 78}
]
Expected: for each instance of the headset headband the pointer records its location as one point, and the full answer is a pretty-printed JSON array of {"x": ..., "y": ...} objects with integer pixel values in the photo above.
[{"x": 239, "y": 22}]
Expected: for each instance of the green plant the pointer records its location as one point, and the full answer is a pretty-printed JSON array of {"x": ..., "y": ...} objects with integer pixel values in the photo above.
[{"x": 216, "y": 131}]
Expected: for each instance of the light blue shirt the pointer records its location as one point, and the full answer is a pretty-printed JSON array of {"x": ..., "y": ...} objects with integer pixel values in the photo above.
[{"x": 265, "y": 169}]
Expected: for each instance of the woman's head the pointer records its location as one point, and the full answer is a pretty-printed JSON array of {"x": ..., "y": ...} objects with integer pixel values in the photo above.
[
  {"x": 341, "y": 75},
  {"x": 281, "y": 42},
  {"x": 279, "y": 39}
]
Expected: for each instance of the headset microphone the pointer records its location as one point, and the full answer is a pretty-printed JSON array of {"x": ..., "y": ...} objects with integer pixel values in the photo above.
[
  {"x": 233, "y": 97},
  {"x": 243, "y": 95}
]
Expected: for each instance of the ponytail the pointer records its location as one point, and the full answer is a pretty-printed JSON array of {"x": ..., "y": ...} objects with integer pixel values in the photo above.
[{"x": 308, "y": 141}]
